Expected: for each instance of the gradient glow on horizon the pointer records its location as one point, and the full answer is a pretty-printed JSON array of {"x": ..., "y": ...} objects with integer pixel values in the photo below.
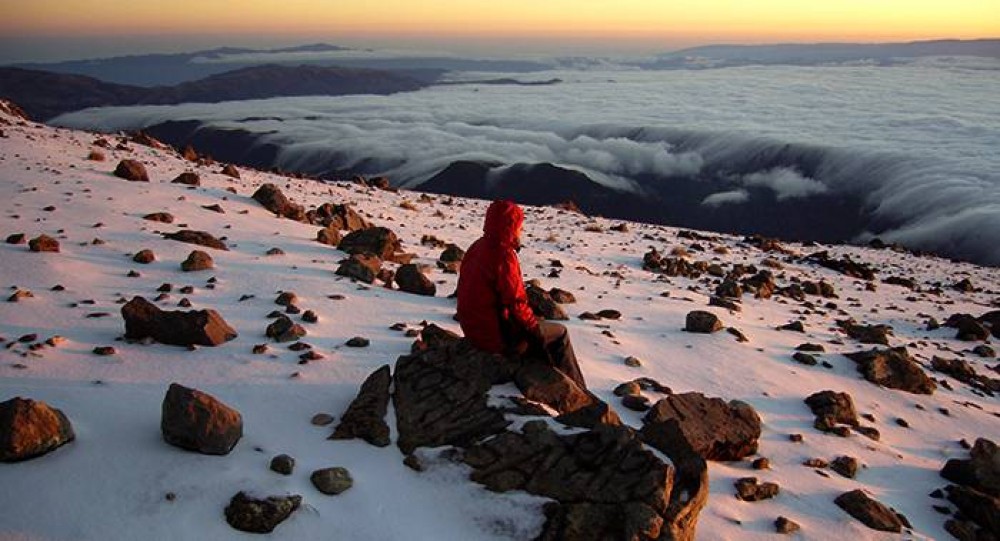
[{"x": 630, "y": 21}]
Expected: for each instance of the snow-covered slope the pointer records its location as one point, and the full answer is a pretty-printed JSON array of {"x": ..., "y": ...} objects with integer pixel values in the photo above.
[{"x": 113, "y": 482}]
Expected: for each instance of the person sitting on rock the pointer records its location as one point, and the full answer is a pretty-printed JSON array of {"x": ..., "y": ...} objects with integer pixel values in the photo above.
[{"x": 493, "y": 305}]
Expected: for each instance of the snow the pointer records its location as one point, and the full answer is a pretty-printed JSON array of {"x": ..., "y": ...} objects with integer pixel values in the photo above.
[{"x": 112, "y": 482}]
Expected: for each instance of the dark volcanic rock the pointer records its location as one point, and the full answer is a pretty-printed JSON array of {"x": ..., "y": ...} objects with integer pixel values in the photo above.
[
  {"x": 893, "y": 368},
  {"x": 379, "y": 241},
  {"x": 441, "y": 396},
  {"x": 365, "y": 417},
  {"x": 844, "y": 265},
  {"x": 562, "y": 296},
  {"x": 188, "y": 178},
  {"x": 709, "y": 427},
  {"x": 144, "y": 257},
  {"x": 197, "y": 260},
  {"x": 608, "y": 485},
  {"x": 870, "y": 512},
  {"x": 964, "y": 372},
  {"x": 543, "y": 383},
  {"x": 981, "y": 508},
  {"x": 338, "y": 217},
  {"x": 700, "y": 321},
  {"x": 969, "y": 328},
  {"x": 329, "y": 236},
  {"x": 845, "y": 465},
  {"x": 198, "y": 327},
  {"x": 749, "y": 490},
  {"x": 260, "y": 516},
  {"x": 132, "y": 170},
  {"x": 30, "y": 428},
  {"x": 361, "y": 267},
  {"x": 868, "y": 334},
  {"x": 543, "y": 305},
  {"x": 283, "y": 464},
  {"x": 162, "y": 217},
  {"x": 411, "y": 280},
  {"x": 838, "y": 407},
  {"x": 200, "y": 238},
  {"x": 230, "y": 170},
  {"x": 332, "y": 481},
  {"x": 450, "y": 259},
  {"x": 271, "y": 198},
  {"x": 981, "y": 471},
  {"x": 43, "y": 243},
  {"x": 196, "y": 421},
  {"x": 283, "y": 329}
]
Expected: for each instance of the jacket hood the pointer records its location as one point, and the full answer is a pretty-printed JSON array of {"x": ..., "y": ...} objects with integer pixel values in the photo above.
[{"x": 503, "y": 219}]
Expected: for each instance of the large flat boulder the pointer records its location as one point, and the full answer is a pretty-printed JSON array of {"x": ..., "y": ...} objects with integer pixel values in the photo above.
[
  {"x": 871, "y": 512},
  {"x": 201, "y": 238},
  {"x": 196, "y": 327},
  {"x": 709, "y": 427},
  {"x": 31, "y": 428}
]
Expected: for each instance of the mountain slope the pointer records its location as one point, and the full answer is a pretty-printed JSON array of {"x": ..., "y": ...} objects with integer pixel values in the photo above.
[{"x": 148, "y": 489}]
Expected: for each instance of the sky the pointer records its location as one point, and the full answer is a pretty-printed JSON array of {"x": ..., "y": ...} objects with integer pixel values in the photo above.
[{"x": 42, "y": 27}]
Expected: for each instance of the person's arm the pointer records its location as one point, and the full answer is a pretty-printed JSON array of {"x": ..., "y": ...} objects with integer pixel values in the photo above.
[{"x": 513, "y": 296}]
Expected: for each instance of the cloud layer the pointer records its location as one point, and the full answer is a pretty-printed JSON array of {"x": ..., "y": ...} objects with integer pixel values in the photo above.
[{"x": 918, "y": 143}]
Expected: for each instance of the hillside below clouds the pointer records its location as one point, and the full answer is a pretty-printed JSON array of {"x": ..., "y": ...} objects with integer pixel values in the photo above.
[
  {"x": 741, "y": 386},
  {"x": 45, "y": 95}
]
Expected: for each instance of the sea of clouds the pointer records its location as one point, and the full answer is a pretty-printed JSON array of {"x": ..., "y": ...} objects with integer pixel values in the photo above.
[{"x": 917, "y": 142}]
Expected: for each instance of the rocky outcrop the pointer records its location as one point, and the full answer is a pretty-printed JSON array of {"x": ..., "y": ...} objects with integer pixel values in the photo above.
[
  {"x": 981, "y": 471},
  {"x": 272, "y": 198},
  {"x": 200, "y": 238},
  {"x": 893, "y": 368},
  {"x": 197, "y": 327},
  {"x": 976, "y": 493},
  {"x": 254, "y": 515},
  {"x": 198, "y": 422},
  {"x": 31, "y": 428},
  {"x": 132, "y": 170},
  {"x": 365, "y": 417},
  {"x": 709, "y": 427},
  {"x": 542, "y": 383},
  {"x": 441, "y": 396},
  {"x": 870, "y": 512}
]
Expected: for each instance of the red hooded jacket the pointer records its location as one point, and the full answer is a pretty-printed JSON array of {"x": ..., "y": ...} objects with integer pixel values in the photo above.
[{"x": 492, "y": 304}]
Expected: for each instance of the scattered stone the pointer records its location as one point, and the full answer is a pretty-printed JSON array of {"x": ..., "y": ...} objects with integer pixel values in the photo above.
[
  {"x": 635, "y": 402},
  {"x": 846, "y": 466},
  {"x": 332, "y": 481},
  {"x": 867, "y": 334},
  {"x": 198, "y": 422},
  {"x": 104, "y": 350},
  {"x": 260, "y": 516},
  {"x": 969, "y": 328},
  {"x": 43, "y": 243},
  {"x": 337, "y": 217},
  {"x": 19, "y": 295},
  {"x": 450, "y": 260},
  {"x": 728, "y": 304},
  {"x": 811, "y": 348},
  {"x": 214, "y": 208},
  {"x": 831, "y": 408},
  {"x": 199, "y": 327},
  {"x": 132, "y": 170},
  {"x": 361, "y": 267},
  {"x": 310, "y": 317},
  {"x": 286, "y": 298},
  {"x": 31, "y": 428},
  {"x": 794, "y": 326},
  {"x": 197, "y": 260},
  {"x": 230, "y": 171},
  {"x": 259, "y": 349},
  {"x": 984, "y": 351},
  {"x": 321, "y": 419},
  {"x": 162, "y": 217},
  {"x": 365, "y": 417},
  {"x": 188, "y": 178},
  {"x": 804, "y": 358},
  {"x": 543, "y": 305},
  {"x": 761, "y": 463},
  {"x": 144, "y": 257},
  {"x": 633, "y": 362},
  {"x": 710, "y": 427},
  {"x": 740, "y": 337},
  {"x": 748, "y": 490},
  {"x": 283, "y": 464},
  {"x": 410, "y": 279},
  {"x": 981, "y": 471},
  {"x": 271, "y": 198},
  {"x": 16, "y": 238},
  {"x": 786, "y": 526},
  {"x": 284, "y": 329},
  {"x": 870, "y": 512},
  {"x": 200, "y": 238},
  {"x": 628, "y": 388},
  {"x": 358, "y": 342},
  {"x": 700, "y": 321},
  {"x": 378, "y": 241},
  {"x": 893, "y": 368}
]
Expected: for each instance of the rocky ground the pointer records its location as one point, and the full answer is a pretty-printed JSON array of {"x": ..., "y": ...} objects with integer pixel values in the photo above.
[{"x": 290, "y": 338}]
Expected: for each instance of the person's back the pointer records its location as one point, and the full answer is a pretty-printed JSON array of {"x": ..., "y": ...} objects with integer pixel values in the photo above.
[{"x": 492, "y": 305}]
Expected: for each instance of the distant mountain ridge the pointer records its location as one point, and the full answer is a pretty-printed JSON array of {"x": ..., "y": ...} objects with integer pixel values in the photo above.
[
  {"x": 809, "y": 54},
  {"x": 45, "y": 95}
]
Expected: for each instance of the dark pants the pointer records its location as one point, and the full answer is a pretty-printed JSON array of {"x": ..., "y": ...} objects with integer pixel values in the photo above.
[{"x": 559, "y": 351}]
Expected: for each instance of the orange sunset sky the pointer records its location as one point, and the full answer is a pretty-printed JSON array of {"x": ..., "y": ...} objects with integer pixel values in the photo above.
[{"x": 652, "y": 25}]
